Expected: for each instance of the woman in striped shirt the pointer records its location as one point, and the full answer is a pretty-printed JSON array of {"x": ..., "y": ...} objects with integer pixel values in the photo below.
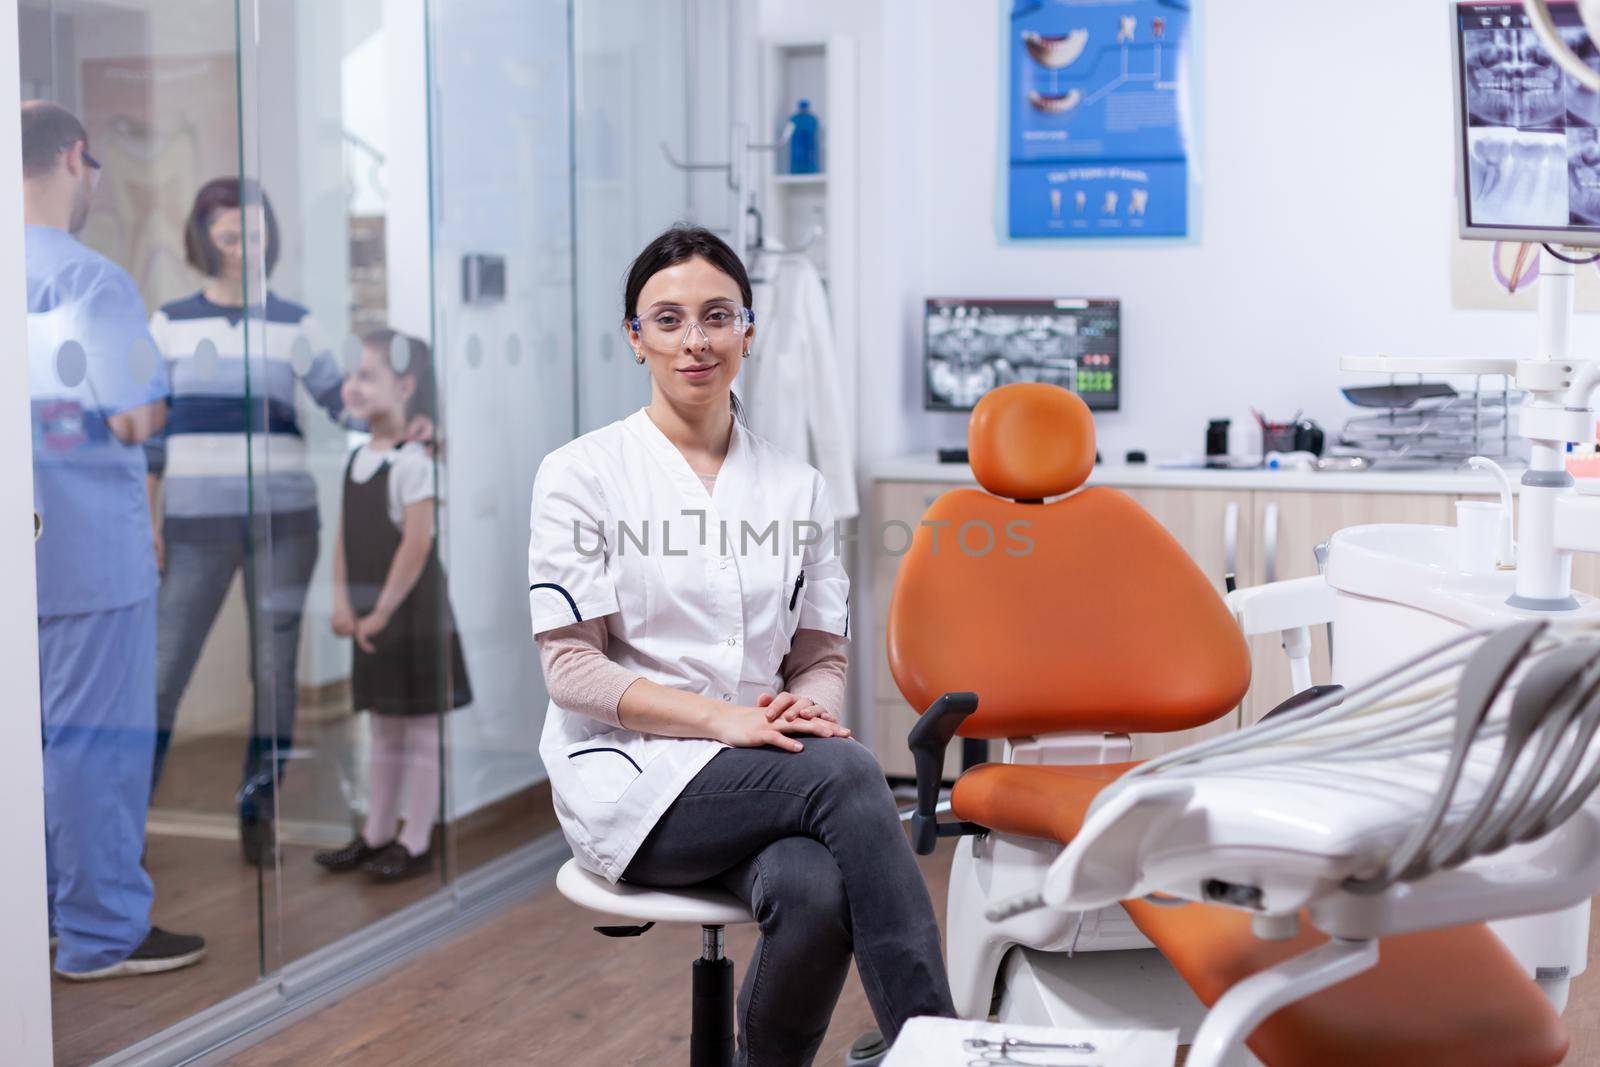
[{"x": 231, "y": 476}]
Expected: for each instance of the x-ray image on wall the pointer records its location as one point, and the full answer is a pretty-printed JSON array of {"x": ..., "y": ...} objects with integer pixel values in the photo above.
[
  {"x": 1583, "y": 105},
  {"x": 1512, "y": 81},
  {"x": 1517, "y": 178}
]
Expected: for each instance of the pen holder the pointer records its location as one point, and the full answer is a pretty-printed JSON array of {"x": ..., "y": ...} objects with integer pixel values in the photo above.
[{"x": 1278, "y": 437}]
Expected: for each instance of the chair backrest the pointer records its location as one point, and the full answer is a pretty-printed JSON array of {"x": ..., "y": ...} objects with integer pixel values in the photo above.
[{"x": 1082, "y": 613}]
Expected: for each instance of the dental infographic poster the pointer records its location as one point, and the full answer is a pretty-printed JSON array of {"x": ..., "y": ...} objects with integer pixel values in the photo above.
[{"x": 1098, "y": 96}]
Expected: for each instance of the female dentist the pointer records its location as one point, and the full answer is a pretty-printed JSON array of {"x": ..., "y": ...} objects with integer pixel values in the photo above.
[{"x": 691, "y": 612}]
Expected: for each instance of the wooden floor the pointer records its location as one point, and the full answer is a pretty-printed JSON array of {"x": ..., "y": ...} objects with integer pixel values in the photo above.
[
  {"x": 254, "y": 921},
  {"x": 537, "y": 986}
]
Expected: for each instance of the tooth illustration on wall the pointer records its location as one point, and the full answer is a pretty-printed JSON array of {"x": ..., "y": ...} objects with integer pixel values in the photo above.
[
  {"x": 1137, "y": 201},
  {"x": 1110, "y": 205},
  {"x": 1054, "y": 51},
  {"x": 1126, "y": 29},
  {"x": 1081, "y": 199},
  {"x": 1055, "y": 202},
  {"x": 1054, "y": 103}
]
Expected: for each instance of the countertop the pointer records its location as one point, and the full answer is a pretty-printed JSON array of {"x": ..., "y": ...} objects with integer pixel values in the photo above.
[{"x": 925, "y": 467}]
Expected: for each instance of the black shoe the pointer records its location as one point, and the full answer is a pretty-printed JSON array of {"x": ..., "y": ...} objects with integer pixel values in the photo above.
[
  {"x": 349, "y": 857},
  {"x": 257, "y": 836},
  {"x": 870, "y": 1048},
  {"x": 159, "y": 951},
  {"x": 395, "y": 864}
]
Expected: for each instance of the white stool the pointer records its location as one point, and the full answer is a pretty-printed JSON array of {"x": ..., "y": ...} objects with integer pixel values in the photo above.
[{"x": 711, "y": 1032}]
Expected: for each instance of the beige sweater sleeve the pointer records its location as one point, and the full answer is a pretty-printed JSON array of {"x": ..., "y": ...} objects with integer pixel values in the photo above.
[
  {"x": 815, "y": 667},
  {"x": 579, "y": 674}
]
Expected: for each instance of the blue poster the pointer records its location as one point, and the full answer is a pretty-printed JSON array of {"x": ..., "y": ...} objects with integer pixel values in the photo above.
[{"x": 1099, "y": 144}]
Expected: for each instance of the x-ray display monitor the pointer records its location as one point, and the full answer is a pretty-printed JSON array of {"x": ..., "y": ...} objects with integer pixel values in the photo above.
[
  {"x": 973, "y": 346},
  {"x": 1528, "y": 133}
]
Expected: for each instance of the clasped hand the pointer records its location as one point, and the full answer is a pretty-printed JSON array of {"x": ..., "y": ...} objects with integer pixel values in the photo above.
[{"x": 774, "y": 719}]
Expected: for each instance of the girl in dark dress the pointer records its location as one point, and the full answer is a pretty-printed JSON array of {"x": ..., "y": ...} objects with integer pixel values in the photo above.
[{"x": 389, "y": 595}]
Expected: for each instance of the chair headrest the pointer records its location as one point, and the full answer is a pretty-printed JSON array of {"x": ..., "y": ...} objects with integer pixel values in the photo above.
[{"x": 1030, "y": 440}]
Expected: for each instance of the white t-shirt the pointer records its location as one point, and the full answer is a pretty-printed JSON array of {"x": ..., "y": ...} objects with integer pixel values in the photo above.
[{"x": 410, "y": 475}]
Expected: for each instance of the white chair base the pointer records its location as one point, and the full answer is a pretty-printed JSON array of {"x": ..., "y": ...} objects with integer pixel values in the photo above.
[{"x": 711, "y": 1033}]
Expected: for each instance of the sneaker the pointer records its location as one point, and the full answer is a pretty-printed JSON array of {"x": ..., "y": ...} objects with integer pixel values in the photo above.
[
  {"x": 159, "y": 951},
  {"x": 867, "y": 1050},
  {"x": 396, "y": 863},
  {"x": 349, "y": 857}
]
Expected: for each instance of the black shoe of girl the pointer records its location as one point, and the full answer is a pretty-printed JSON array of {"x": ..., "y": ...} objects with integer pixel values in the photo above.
[
  {"x": 348, "y": 858},
  {"x": 396, "y": 864}
]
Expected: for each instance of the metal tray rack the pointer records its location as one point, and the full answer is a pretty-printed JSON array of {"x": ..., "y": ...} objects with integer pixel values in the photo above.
[{"x": 1431, "y": 424}]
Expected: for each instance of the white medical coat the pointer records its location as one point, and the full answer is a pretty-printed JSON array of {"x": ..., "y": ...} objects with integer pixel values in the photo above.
[
  {"x": 699, "y": 591},
  {"x": 792, "y": 386}
]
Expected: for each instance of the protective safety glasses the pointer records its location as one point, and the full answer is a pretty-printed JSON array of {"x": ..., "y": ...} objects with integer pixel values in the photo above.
[{"x": 717, "y": 326}]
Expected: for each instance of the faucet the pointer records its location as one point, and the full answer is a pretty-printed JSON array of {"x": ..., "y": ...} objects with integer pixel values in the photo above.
[{"x": 1508, "y": 547}]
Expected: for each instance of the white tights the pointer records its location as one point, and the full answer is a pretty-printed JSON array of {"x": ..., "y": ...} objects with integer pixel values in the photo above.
[{"x": 405, "y": 781}]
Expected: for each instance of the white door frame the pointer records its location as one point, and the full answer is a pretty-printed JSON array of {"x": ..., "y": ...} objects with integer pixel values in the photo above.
[{"x": 25, "y": 1028}]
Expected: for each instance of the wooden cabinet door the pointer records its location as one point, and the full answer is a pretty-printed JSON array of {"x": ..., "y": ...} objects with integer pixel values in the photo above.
[
  {"x": 895, "y": 503},
  {"x": 1287, "y": 529},
  {"x": 1214, "y": 527}
]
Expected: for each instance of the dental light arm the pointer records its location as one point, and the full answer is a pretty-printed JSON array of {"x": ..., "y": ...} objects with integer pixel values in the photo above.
[
  {"x": 929, "y": 739},
  {"x": 1544, "y": 25}
]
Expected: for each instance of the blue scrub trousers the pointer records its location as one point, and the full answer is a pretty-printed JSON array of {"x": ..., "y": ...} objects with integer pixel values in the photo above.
[{"x": 97, "y": 681}]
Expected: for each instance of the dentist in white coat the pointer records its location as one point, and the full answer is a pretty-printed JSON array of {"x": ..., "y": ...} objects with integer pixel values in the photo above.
[{"x": 691, "y": 611}]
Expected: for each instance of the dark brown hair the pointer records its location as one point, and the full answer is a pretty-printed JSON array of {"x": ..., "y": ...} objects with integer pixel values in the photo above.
[
  {"x": 47, "y": 128},
  {"x": 424, "y": 393},
  {"x": 681, "y": 243},
  {"x": 221, "y": 194}
]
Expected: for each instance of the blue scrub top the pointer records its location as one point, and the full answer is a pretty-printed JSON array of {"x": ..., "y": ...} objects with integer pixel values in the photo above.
[{"x": 90, "y": 356}]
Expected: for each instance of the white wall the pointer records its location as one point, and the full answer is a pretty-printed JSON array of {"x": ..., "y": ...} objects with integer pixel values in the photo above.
[
  {"x": 25, "y": 977},
  {"x": 1325, "y": 219}
]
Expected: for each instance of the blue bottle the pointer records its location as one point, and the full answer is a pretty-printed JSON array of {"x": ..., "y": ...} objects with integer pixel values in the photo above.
[{"x": 803, "y": 142}]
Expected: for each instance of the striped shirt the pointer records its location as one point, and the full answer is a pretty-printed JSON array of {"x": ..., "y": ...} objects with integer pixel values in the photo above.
[{"x": 233, "y": 422}]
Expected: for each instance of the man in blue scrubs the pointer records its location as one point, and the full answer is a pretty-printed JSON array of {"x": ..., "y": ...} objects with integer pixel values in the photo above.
[{"x": 98, "y": 391}]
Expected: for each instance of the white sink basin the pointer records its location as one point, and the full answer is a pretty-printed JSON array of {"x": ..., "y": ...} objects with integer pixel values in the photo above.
[{"x": 1415, "y": 565}]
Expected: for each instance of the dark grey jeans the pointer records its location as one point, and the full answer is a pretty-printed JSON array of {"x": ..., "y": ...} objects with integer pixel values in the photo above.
[
  {"x": 810, "y": 840},
  {"x": 196, "y": 581}
]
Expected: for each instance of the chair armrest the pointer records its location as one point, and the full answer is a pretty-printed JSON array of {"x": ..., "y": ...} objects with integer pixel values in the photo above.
[
  {"x": 1286, "y": 605},
  {"x": 929, "y": 739}
]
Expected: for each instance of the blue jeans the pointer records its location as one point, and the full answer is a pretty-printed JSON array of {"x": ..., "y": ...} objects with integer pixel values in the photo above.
[
  {"x": 196, "y": 581},
  {"x": 812, "y": 843},
  {"x": 97, "y": 710}
]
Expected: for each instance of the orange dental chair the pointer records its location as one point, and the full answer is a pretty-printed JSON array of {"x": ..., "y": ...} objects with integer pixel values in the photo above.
[{"x": 1058, "y": 620}]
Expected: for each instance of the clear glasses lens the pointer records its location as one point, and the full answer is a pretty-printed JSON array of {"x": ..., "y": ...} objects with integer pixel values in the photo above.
[{"x": 718, "y": 325}]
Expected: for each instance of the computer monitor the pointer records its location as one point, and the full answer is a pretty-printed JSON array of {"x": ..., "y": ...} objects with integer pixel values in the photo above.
[
  {"x": 971, "y": 346},
  {"x": 1528, "y": 134}
]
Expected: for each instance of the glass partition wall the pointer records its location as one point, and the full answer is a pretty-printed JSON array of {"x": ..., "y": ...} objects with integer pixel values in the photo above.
[{"x": 366, "y": 257}]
